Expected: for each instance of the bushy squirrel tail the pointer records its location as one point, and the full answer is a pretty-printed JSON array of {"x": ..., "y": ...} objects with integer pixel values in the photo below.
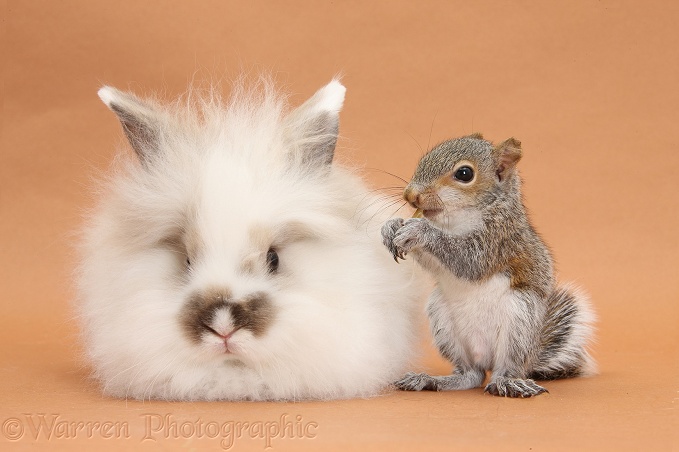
[{"x": 566, "y": 336}]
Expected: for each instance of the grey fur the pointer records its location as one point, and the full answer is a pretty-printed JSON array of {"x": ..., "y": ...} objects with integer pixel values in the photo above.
[
  {"x": 321, "y": 151},
  {"x": 140, "y": 121},
  {"x": 542, "y": 329}
]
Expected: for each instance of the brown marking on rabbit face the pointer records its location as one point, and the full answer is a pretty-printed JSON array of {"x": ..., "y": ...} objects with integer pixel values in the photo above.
[
  {"x": 288, "y": 232},
  {"x": 193, "y": 242},
  {"x": 184, "y": 239},
  {"x": 255, "y": 260},
  {"x": 199, "y": 311},
  {"x": 176, "y": 243},
  {"x": 254, "y": 312},
  {"x": 294, "y": 231},
  {"x": 264, "y": 238}
]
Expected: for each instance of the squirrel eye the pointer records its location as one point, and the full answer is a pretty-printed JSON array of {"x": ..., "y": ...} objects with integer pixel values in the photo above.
[
  {"x": 464, "y": 174},
  {"x": 272, "y": 260}
]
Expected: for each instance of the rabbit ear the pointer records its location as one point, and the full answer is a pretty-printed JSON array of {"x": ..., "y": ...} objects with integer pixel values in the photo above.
[
  {"x": 140, "y": 120},
  {"x": 311, "y": 129}
]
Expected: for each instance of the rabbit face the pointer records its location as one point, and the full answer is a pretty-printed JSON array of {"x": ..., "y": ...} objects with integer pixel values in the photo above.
[
  {"x": 227, "y": 262},
  {"x": 243, "y": 258}
]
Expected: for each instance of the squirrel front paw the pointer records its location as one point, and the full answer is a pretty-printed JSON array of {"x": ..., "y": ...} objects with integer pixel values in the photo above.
[
  {"x": 410, "y": 235},
  {"x": 389, "y": 232}
]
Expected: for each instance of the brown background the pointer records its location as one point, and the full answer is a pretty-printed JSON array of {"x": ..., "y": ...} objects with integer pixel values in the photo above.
[{"x": 590, "y": 88}]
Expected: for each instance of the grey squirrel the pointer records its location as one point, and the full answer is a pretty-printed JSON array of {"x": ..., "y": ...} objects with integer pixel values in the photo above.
[{"x": 496, "y": 305}]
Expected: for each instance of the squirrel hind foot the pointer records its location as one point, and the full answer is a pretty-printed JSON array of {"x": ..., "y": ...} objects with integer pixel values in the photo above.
[
  {"x": 514, "y": 387},
  {"x": 416, "y": 382},
  {"x": 455, "y": 382}
]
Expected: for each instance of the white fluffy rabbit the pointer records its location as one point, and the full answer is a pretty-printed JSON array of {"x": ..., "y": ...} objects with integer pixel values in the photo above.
[{"x": 229, "y": 259}]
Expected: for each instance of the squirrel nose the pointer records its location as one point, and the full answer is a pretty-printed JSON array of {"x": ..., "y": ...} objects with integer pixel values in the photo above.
[{"x": 412, "y": 196}]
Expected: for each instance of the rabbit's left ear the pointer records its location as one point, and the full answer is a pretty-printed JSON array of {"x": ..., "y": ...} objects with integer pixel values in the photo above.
[
  {"x": 311, "y": 129},
  {"x": 140, "y": 120}
]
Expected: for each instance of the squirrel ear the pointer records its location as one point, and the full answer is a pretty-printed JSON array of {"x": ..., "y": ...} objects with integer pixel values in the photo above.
[
  {"x": 311, "y": 129},
  {"x": 140, "y": 121},
  {"x": 507, "y": 153},
  {"x": 476, "y": 135}
]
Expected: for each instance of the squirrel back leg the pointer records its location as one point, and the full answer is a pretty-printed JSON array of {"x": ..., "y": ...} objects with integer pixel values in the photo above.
[
  {"x": 517, "y": 348},
  {"x": 464, "y": 376},
  {"x": 459, "y": 380},
  {"x": 566, "y": 334}
]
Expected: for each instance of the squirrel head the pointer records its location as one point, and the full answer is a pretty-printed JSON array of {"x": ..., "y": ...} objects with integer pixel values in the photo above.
[{"x": 464, "y": 173}]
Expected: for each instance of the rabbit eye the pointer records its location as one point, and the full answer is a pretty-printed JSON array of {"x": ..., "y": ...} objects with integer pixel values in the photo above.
[
  {"x": 272, "y": 260},
  {"x": 188, "y": 262},
  {"x": 464, "y": 174}
]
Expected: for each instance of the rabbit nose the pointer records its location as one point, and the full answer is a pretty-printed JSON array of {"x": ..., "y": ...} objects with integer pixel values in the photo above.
[
  {"x": 213, "y": 311},
  {"x": 225, "y": 338},
  {"x": 228, "y": 336}
]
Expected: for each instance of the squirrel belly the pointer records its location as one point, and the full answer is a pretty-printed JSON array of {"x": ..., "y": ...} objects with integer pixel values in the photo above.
[
  {"x": 487, "y": 325},
  {"x": 467, "y": 318}
]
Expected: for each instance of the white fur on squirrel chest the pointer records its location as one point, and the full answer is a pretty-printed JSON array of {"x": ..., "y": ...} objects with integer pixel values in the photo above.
[{"x": 474, "y": 313}]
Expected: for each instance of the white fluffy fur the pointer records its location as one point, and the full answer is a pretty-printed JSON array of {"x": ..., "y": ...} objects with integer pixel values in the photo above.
[
  {"x": 222, "y": 172},
  {"x": 474, "y": 313},
  {"x": 106, "y": 94}
]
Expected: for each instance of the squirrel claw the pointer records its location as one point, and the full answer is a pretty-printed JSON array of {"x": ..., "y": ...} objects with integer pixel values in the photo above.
[
  {"x": 395, "y": 254},
  {"x": 388, "y": 232}
]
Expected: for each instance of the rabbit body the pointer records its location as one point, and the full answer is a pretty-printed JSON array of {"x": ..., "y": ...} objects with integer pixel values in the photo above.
[{"x": 231, "y": 260}]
